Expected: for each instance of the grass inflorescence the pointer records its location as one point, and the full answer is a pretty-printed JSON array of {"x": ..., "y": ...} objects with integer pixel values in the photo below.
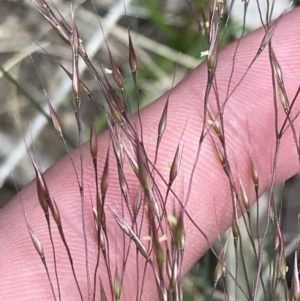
[{"x": 133, "y": 186}]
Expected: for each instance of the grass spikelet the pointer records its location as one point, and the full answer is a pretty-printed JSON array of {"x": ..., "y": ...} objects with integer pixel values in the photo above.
[
  {"x": 277, "y": 240},
  {"x": 39, "y": 248},
  {"x": 117, "y": 115},
  {"x": 37, "y": 244},
  {"x": 213, "y": 40},
  {"x": 156, "y": 244},
  {"x": 161, "y": 288},
  {"x": 235, "y": 230},
  {"x": 132, "y": 56},
  {"x": 212, "y": 121},
  {"x": 220, "y": 157},
  {"x": 161, "y": 128},
  {"x": 179, "y": 233},
  {"x": 116, "y": 73},
  {"x": 60, "y": 27},
  {"x": 295, "y": 284},
  {"x": 118, "y": 103},
  {"x": 103, "y": 295},
  {"x": 244, "y": 196},
  {"x": 143, "y": 170},
  {"x": 270, "y": 32},
  {"x": 117, "y": 286},
  {"x": 130, "y": 233},
  {"x": 93, "y": 143},
  {"x": 282, "y": 267},
  {"x": 55, "y": 119},
  {"x": 75, "y": 51},
  {"x": 254, "y": 175},
  {"x": 56, "y": 216},
  {"x": 175, "y": 167},
  {"x": 42, "y": 189},
  {"x": 82, "y": 85},
  {"x": 105, "y": 178},
  {"x": 220, "y": 270}
]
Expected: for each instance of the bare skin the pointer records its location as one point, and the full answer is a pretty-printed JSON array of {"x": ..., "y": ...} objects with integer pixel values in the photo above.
[{"x": 249, "y": 118}]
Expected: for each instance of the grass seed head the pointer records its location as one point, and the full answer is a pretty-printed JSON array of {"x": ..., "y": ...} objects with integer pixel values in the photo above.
[{"x": 164, "y": 250}]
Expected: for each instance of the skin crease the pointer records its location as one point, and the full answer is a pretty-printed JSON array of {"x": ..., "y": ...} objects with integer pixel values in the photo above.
[{"x": 249, "y": 121}]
